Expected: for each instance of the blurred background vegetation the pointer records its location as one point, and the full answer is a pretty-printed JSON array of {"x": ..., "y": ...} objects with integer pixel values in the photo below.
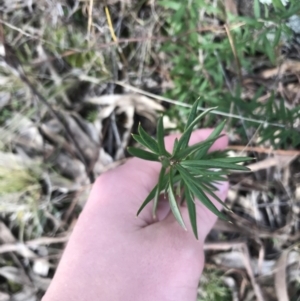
[{"x": 76, "y": 78}]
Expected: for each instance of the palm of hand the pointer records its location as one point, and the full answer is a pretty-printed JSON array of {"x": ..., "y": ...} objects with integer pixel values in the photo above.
[{"x": 112, "y": 255}]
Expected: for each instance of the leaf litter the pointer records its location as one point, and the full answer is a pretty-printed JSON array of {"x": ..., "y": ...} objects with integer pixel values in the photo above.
[{"x": 259, "y": 251}]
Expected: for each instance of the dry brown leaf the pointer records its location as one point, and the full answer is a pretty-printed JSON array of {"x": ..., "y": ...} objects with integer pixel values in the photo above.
[
  {"x": 232, "y": 285},
  {"x": 278, "y": 160},
  {"x": 235, "y": 260},
  {"x": 249, "y": 268},
  {"x": 87, "y": 146},
  {"x": 293, "y": 88},
  {"x": 58, "y": 140},
  {"x": 126, "y": 104},
  {"x": 263, "y": 150},
  {"x": 10, "y": 243},
  {"x": 143, "y": 105},
  {"x": 19, "y": 248},
  {"x": 231, "y": 260},
  {"x": 231, "y": 7},
  {"x": 22, "y": 248},
  {"x": 292, "y": 66},
  {"x": 281, "y": 277},
  {"x": 71, "y": 168},
  {"x": 48, "y": 240},
  {"x": 103, "y": 163}
]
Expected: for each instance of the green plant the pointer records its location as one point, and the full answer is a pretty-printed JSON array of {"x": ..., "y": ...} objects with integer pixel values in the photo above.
[
  {"x": 213, "y": 62},
  {"x": 212, "y": 287},
  {"x": 192, "y": 169}
]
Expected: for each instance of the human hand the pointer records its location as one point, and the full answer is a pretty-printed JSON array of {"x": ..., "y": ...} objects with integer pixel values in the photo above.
[{"x": 114, "y": 256}]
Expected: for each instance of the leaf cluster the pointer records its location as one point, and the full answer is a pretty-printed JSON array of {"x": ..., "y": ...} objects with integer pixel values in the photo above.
[{"x": 189, "y": 172}]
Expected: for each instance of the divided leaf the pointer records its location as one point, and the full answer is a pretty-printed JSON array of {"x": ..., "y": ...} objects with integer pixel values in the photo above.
[{"x": 195, "y": 171}]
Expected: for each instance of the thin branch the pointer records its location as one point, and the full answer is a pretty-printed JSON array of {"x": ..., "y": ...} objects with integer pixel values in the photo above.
[
  {"x": 178, "y": 103},
  {"x": 90, "y": 18},
  {"x": 263, "y": 150}
]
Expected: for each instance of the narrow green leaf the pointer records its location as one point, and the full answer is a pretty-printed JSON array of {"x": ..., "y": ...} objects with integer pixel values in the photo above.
[
  {"x": 192, "y": 114},
  {"x": 278, "y": 4},
  {"x": 257, "y": 9},
  {"x": 211, "y": 193},
  {"x": 293, "y": 10},
  {"x": 153, "y": 191},
  {"x": 204, "y": 174},
  {"x": 139, "y": 139},
  {"x": 208, "y": 186},
  {"x": 215, "y": 134},
  {"x": 175, "y": 146},
  {"x": 178, "y": 188},
  {"x": 166, "y": 188},
  {"x": 160, "y": 137},
  {"x": 173, "y": 203},
  {"x": 149, "y": 198},
  {"x": 184, "y": 139},
  {"x": 194, "y": 122},
  {"x": 195, "y": 147},
  {"x": 192, "y": 210},
  {"x": 149, "y": 141},
  {"x": 158, "y": 190},
  {"x": 277, "y": 37},
  {"x": 210, "y": 179},
  {"x": 200, "y": 195},
  {"x": 207, "y": 172},
  {"x": 212, "y": 184},
  {"x": 234, "y": 159},
  {"x": 142, "y": 154},
  {"x": 217, "y": 154},
  {"x": 213, "y": 164},
  {"x": 270, "y": 51}
]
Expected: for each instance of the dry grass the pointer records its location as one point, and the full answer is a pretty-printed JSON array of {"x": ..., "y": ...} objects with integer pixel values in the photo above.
[{"x": 66, "y": 114}]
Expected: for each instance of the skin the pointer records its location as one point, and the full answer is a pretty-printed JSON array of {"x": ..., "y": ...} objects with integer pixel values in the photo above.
[{"x": 113, "y": 255}]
